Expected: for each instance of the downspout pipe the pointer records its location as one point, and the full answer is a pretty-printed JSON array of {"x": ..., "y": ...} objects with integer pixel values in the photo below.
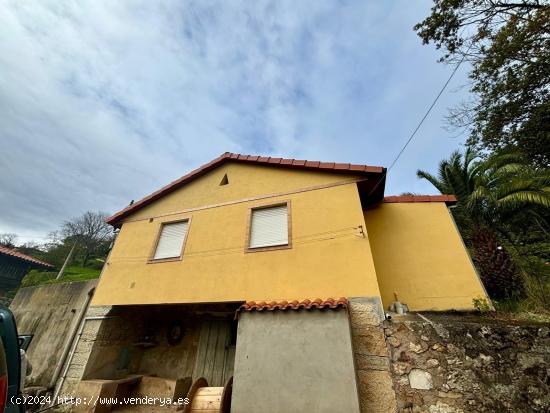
[{"x": 68, "y": 344}]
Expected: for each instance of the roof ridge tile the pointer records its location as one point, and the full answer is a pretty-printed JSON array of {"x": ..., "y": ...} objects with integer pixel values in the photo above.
[{"x": 236, "y": 157}]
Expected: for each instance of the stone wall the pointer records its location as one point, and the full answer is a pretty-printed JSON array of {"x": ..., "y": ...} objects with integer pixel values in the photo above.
[
  {"x": 467, "y": 364},
  {"x": 82, "y": 349},
  {"x": 49, "y": 312},
  {"x": 372, "y": 361}
]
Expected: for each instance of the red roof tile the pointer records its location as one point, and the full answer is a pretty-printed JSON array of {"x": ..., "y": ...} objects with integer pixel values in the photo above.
[
  {"x": 448, "y": 199},
  {"x": 21, "y": 256},
  {"x": 235, "y": 157},
  {"x": 294, "y": 305}
]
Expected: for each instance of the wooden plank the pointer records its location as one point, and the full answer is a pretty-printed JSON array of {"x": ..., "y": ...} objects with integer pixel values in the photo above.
[
  {"x": 229, "y": 363},
  {"x": 208, "y": 391},
  {"x": 200, "y": 404},
  {"x": 211, "y": 361},
  {"x": 220, "y": 354},
  {"x": 205, "y": 411},
  {"x": 210, "y": 354},
  {"x": 207, "y": 399},
  {"x": 202, "y": 350},
  {"x": 192, "y": 353}
]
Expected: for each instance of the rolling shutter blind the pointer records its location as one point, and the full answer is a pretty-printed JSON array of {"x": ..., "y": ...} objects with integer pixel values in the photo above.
[
  {"x": 269, "y": 227},
  {"x": 171, "y": 240}
]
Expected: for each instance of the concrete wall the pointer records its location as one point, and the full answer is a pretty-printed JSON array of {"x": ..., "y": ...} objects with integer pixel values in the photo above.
[
  {"x": 327, "y": 258},
  {"x": 419, "y": 255},
  {"x": 49, "y": 312},
  {"x": 294, "y": 361}
]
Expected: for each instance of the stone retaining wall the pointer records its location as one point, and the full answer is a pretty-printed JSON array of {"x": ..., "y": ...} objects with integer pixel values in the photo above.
[{"x": 459, "y": 364}]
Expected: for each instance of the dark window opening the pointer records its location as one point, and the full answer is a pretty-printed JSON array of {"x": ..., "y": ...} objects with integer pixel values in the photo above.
[{"x": 224, "y": 181}]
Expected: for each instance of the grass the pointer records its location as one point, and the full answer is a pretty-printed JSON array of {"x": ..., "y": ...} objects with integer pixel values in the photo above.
[
  {"x": 72, "y": 273},
  {"x": 523, "y": 310}
]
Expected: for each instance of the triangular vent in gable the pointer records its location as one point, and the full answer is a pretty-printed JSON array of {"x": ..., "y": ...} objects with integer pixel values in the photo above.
[{"x": 224, "y": 181}]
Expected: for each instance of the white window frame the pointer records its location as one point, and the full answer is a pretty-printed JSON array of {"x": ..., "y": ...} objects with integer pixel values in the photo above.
[
  {"x": 270, "y": 247},
  {"x": 152, "y": 258}
]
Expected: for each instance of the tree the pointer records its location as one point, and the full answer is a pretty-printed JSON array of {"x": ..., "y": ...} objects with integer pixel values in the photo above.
[
  {"x": 505, "y": 185},
  {"x": 498, "y": 197},
  {"x": 456, "y": 176},
  {"x": 8, "y": 240},
  {"x": 89, "y": 231},
  {"x": 508, "y": 44}
]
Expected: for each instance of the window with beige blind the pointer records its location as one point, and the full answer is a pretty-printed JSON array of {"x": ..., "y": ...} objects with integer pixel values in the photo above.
[
  {"x": 269, "y": 227},
  {"x": 171, "y": 239}
]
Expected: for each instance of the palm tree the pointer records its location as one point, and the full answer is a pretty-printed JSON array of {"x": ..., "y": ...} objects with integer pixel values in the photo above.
[
  {"x": 505, "y": 185},
  {"x": 456, "y": 175},
  {"x": 491, "y": 194}
]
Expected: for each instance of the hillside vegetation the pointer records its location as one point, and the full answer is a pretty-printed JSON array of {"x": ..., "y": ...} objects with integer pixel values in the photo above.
[{"x": 72, "y": 273}]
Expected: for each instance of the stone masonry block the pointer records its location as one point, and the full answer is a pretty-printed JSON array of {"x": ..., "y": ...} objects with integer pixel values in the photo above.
[
  {"x": 75, "y": 371},
  {"x": 69, "y": 387},
  {"x": 366, "y": 362},
  {"x": 80, "y": 358},
  {"x": 365, "y": 311},
  {"x": 98, "y": 311},
  {"x": 370, "y": 340},
  {"x": 376, "y": 392}
]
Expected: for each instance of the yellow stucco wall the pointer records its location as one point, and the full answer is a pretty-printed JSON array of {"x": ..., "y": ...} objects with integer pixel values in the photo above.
[
  {"x": 419, "y": 255},
  {"x": 327, "y": 258}
]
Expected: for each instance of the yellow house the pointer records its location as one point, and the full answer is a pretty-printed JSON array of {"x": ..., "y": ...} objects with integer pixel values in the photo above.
[
  {"x": 341, "y": 238},
  {"x": 307, "y": 254}
]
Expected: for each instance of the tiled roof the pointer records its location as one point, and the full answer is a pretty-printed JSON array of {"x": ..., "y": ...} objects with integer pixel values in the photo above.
[
  {"x": 17, "y": 254},
  {"x": 448, "y": 199},
  {"x": 258, "y": 160},
  {"x": 294, "y": 305}
]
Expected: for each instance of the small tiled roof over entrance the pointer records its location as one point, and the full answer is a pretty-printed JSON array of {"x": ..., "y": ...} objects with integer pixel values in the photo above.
[
  {"x": 21, "y": 256},
  {"x": 329, "y": 303},
  {"x": 345, "y": 168}
]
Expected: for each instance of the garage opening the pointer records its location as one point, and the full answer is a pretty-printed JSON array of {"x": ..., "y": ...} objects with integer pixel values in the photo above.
[{"x": 160, "y": 350}]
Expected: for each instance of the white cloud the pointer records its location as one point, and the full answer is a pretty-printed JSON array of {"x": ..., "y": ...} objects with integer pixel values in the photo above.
[{"x": 102, "y": 102}]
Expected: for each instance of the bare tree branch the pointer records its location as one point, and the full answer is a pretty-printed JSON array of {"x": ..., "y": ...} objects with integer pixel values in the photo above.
[{"x": 8, "y": 240}]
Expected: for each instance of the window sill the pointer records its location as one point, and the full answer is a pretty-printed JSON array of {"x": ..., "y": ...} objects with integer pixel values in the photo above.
[
  {"x": 270, "y": 248},
  {"x": 159, "y": 260}
]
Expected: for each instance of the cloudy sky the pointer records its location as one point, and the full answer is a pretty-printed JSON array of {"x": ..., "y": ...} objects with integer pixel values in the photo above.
[{"x": 102, "y": 102}]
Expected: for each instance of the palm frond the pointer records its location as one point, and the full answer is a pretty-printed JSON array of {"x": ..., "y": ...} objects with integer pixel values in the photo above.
[
  {"x": 469, "y": 157},
  {"x": 520, "y": 198},
  {"x": 439, "y": 185}
]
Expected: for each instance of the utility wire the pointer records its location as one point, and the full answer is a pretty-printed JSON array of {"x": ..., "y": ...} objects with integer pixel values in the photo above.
[
  {"x": 308, "y": 239},
  {"x": 415, "y": 129},
  {"x": 421, "y": 121}
]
